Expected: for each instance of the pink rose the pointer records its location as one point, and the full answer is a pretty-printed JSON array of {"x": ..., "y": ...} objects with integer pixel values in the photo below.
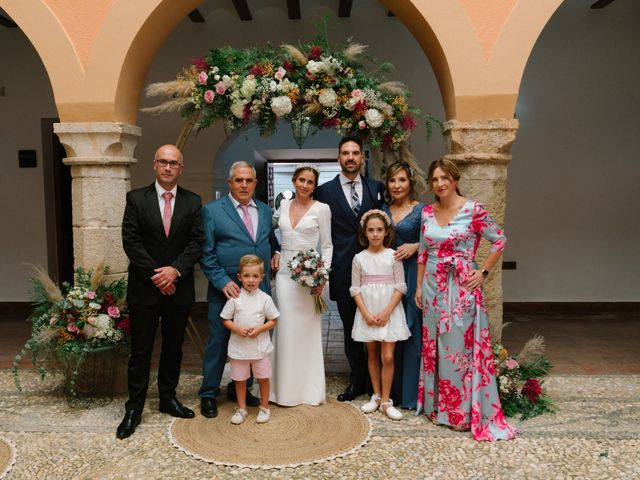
[
  {"x": 90, "y": 295},
  {"x": 356, "y": 93},
  {"x": 113, "y": 312},
  {"x": 362, "y": 124},
  {"x": 209, "y": 95},
  {"x": 280, "y": 73},
  {"x": 511, "y": 364},
  {"x": 72, "y": 328},
  {"x": 202, "y": 78},
  {"x": 91, "y": 320},
  {"x": 221, "y": 88}
]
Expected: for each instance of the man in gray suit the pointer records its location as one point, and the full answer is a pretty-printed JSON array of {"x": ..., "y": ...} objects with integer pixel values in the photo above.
[{"x": 234, "y": 226}]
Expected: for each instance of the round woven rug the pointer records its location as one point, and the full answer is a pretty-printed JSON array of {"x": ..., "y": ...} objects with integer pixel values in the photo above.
[
  {"x": 293, "y": 436},
  {"x": 7, "y": 457}
]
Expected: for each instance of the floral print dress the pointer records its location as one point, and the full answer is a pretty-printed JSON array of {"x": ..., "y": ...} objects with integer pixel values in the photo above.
[{"x": 457, "y": 384}]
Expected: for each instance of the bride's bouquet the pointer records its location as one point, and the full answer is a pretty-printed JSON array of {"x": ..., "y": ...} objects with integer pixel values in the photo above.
[{"x": 309, "y": 270}]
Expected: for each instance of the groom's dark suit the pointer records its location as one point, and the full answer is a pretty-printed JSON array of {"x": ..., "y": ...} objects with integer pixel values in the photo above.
[
  {"x": 147, "y": 246},
  {"x": 344, "y": 228}
]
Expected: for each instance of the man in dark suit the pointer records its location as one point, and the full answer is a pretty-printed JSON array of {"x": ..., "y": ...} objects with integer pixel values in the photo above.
[
  {"x": 162, "y": 236},
  {"x": 349, "y": 195},
  {"x": 234, "y": 226}
]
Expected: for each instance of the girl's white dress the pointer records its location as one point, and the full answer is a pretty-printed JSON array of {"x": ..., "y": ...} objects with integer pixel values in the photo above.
[{"x": 375, "y": 276}]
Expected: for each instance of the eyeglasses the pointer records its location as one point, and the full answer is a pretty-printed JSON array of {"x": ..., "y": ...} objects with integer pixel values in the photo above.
[{"x": 172, "y": 163}]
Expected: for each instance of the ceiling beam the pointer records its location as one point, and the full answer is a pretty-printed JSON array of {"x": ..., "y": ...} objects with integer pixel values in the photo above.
[
  {"x": 195, "y": 16},
  {"x": 344, "y": 9},
  {"x": 243, "y": 10},
  {"x": 601, "y": 4},
  {"x": 5, "y": 22},
  {"x": 293, "y": 6}
]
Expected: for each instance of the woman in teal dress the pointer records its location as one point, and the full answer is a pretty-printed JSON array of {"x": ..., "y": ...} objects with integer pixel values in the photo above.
[
  {"x": 457, "y": 378},
  {"x": 404, "y": 210}
]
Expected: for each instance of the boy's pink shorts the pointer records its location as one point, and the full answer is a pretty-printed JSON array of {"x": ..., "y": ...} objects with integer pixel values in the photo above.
[{"x": 241, "y": 369}]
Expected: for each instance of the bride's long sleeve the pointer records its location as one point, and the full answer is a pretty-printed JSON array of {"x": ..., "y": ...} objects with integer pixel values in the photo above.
[{"x": 324, "y": 224}]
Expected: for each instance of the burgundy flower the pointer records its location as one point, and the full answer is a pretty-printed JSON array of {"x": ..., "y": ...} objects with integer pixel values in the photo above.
[
  {"x": 314, "y": 53},
  {"x": 123, "y": 324},
  {"x": 532, "y": 389},
  {"x": 247, "y": 111},
  {"x": 200, "y": 63},
  {"x": 408, "y": 123},
  {"x": 330, "y": 122},
  {"x": 360, "y": 107},
  {"x": 288, "y": 66},
  {"x": 256, "y": 70},
  {"x": 387, "y": 140}
]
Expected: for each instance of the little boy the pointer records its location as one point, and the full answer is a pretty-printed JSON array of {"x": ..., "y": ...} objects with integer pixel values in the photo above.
[{"x": 250, "y": 317}]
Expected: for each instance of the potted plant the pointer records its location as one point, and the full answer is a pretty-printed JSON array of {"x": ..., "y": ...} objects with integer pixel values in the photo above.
[{"x": 84, "y": 327}]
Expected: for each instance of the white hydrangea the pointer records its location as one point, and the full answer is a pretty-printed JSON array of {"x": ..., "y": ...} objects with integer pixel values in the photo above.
[
  {"x": 327, "y": 97},
  {"x": 281, "y": 105},
  {"x": 237, "y": 108},
  {"x": 248, "y": 87},
  {"x": 319, "y": 67},
  {"x": 373, "y": 117}
]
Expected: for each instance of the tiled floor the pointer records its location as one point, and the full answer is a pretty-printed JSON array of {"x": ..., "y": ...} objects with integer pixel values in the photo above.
[{"x": 584, "y": 343}]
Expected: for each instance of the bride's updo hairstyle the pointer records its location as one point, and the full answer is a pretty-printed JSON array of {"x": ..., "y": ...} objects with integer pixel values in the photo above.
[
  {"x": 306, "y": 167},
  {"x": 389, "y": 234},
  {"x": 449, "y": 168}
]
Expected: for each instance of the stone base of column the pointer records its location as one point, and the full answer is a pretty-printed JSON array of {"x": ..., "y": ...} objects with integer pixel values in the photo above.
[
  {"x": 481, "y": 151},
  {"x": 100, "y": 155}
]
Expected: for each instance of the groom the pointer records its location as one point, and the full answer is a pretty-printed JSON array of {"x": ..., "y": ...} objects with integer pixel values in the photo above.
[
  {"x": 234, "y": 226},
  {"x": 349, "y": 195}
]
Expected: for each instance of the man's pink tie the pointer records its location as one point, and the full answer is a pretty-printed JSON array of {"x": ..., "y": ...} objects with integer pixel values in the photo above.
[
  {"x": 246, "y": 218},
  {"x": 166, "y": 212}
]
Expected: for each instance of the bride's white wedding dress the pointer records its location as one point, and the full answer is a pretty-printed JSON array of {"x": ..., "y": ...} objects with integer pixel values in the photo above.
[{"x": 298, "y": 363}]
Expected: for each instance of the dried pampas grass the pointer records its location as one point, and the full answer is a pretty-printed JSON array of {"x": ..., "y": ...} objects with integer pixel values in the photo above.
[
  {"x": 393, "y": 88},
  {"x": 98, "y": 274},
  {"x": 353, "y": 50},
  {"x": 312, "y": 108},
  {"x": 173, "y": 88},
  {"x": 299, "y": 57},
  {"x": 173, "y": 105},
  {"x": 532, "y": 351},
  {"x": 51, "y": 290}
]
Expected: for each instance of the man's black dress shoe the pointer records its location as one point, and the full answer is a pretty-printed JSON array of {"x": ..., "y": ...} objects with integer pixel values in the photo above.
[
  {"x": 208, "y": 407},
  {"x": 350, "y": 393},
  {"x": 129, "y": 423},
  {"x": 252, "y": 400},
  {"x": 174, "y": 408}
]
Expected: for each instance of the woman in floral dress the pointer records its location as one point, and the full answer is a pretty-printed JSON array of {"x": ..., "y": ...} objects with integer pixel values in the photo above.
[{"x": 457, "y": 376}]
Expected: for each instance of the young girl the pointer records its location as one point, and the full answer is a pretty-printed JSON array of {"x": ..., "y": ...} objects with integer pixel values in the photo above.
[{"x": 377, "y": 287}]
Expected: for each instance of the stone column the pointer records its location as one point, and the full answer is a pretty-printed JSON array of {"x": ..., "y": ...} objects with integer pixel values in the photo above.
[
  {"x": 481, "y": 150},
  {"x": 99, "y": 155}
]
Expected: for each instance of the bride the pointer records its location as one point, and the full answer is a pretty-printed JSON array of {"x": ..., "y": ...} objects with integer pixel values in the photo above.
[{"x": 298, "y": 364}]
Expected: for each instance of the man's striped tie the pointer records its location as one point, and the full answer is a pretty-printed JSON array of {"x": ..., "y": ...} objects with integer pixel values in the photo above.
[{"x": 355, "y": 199}]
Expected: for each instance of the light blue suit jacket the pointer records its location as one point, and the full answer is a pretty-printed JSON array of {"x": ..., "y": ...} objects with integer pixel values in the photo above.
[{"x": 227, "y": 240}]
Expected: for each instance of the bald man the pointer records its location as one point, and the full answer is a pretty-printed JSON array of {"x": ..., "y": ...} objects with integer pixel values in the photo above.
[{"x": 162, "y": 236}]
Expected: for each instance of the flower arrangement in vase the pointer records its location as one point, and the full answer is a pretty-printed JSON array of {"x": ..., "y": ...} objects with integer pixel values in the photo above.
[{"x": 71, "y": 321}]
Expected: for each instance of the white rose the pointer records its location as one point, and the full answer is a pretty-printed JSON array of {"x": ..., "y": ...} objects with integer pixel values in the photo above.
[
  {"x": 227, "y": 80},
  {"x": 281, "y": 105},
  {"x": 237, "y": 108},
  {"x": 373, "y": 117},
  {"x": 273, "y": 86},
  {"x": 327, "y": 97}
]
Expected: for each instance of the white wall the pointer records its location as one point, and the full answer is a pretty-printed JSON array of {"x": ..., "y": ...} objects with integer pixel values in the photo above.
[
  {"x": 572, "y": 209},
  {"x": 571, "y": 216},
  {"x": 28, "y": 98}
]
